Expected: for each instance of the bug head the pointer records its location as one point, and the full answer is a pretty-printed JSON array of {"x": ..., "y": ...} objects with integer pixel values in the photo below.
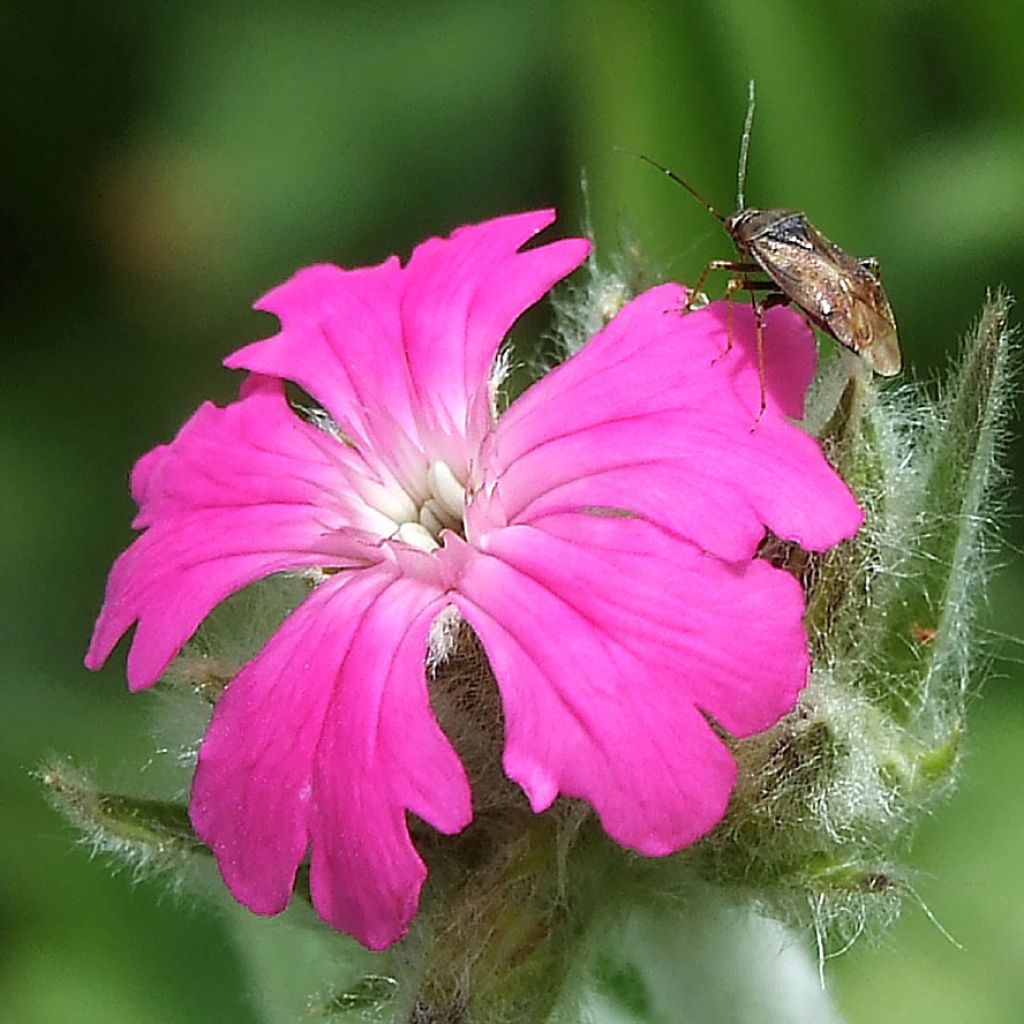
[{"x": 743, "y": 225}]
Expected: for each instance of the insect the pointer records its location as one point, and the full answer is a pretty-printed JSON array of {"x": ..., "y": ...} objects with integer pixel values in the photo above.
[{"x": 839, "y": 294}]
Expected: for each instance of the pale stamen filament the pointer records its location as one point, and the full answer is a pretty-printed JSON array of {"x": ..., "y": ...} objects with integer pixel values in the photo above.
[{"x": 449, "y": 496}]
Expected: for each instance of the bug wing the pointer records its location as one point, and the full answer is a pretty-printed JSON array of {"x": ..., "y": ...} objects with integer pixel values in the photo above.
[
  {"x": 873, "y": 335},
  {"x": 841, "y": 296}
]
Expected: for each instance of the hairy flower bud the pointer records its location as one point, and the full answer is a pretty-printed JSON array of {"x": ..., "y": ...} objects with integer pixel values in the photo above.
[{"x": 827, "y": 798}]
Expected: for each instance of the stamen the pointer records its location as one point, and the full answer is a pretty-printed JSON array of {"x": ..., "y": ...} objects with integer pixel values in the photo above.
[
  {"x": 440, "y": 509},
  {"x": 431, "y": 521},
  {"x": 447, "y": 491},
  {"x": 390, "y": 501},
  {"x": 417, "y": 536}
]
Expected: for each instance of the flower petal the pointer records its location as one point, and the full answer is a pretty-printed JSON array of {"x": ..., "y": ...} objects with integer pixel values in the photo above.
[
  {"x": 655, "y": 417},
  {"x": 241, "y": 492},
  {"x": 462, "y": 296},
  {"x": 326, "y": 739},
  {"x": 386, "y": 348},
  {"x": 608, "y": 638},
  {"x": 340, "y": 340}
]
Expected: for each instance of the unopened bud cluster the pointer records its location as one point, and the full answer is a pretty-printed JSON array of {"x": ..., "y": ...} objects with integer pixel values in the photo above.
[{"x": 819, "y": 823}]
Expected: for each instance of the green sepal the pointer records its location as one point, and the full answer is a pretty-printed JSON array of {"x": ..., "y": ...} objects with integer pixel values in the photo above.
[
  {"x": 622, "y": 983},
  {"x": 232, "y": 634},
  {"x": 368, "y": 999},
  {"x": 839, "y": 580},
  {"x": 927, "y": 605}
]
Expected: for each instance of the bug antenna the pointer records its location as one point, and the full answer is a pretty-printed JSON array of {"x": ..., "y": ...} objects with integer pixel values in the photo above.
[
  {"x": 748, "y": 124},
  {"x": 675, "y": 177}
]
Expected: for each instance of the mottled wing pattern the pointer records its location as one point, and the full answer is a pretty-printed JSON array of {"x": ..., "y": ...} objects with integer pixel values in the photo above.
[{"x": 838, "y": 294}]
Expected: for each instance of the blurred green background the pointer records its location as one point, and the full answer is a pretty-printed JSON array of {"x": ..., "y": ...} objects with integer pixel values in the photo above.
[{"x": 162, "y": 165}]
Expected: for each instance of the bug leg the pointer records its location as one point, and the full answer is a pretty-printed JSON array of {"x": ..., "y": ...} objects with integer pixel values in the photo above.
[
  {"x": 691, "y": 295},
  {"x": 744, "y": 284},
  {"x": 759, "y": 309},
  {"x": 695, "y": 292},
  {"x": 761, "y": 306},
  {"x": 734, "y": 284},
  {"x": 729, "y": 289}
]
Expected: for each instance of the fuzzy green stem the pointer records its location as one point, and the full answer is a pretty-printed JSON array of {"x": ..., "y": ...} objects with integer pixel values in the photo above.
[{"x": 503, "y": 944}]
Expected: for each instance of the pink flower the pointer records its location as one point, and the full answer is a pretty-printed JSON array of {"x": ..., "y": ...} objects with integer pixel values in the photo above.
[{"x": 600, "y": 538}]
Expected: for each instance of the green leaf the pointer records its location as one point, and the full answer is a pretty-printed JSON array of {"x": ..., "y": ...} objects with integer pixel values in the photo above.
[{"x": 140, "y": 831}]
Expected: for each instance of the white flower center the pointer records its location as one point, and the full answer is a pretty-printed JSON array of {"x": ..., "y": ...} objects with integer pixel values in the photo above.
[{"x": 441, "y": 510}]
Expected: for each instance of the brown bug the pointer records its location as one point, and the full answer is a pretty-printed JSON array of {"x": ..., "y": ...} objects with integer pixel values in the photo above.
[{"x": 841, "y": 295}]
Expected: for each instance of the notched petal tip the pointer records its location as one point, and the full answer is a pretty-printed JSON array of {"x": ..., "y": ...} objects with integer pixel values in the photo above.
[
  {"x": 511, "y": 229},
  {"x": 409, "y": 346},
  {"x": 311, "y": 285}
]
